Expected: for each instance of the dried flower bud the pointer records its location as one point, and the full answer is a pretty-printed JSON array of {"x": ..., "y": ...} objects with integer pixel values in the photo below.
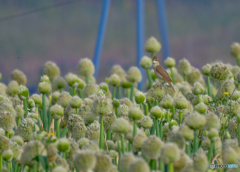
[
  {"x": 138, "y": 165},
  {"x": 206, "y": 69},
  {"x": 151, "y": 147},
  {"x": 125, "y": 161},
  {"x": 90, "y": 89},
  {"x": 13, "y": 87},
  {"x": 167, "y": 102},
  {"x": 86, "y": 67},
  {"x": 139, "y": 97},
  {"x": 26, "y": 128},
  {"x": 212, "y": 121},
  {"x": 121, "y": 126},
  {"x": 152, "y": 45},
  {"x": 170, "y": 62},
  {"x": 101, "y": 106},
  {"x": 56, "y": 111},
  {"x": 115, "y": 103},
  {"x": 201, "y": 108},
  {"x": 157, "y": 112},
  {"x": 72, "y": 79},
  {"x": 4, "y": 143},
  {"x": 200, "y": 161},
  {"x": 146, "y": 62},
  {"x": 186, "y": 132},
  {"x": 198, "y": 88},
  {"x": 194, "y": 76},
  {"x": 213, "y": 134},
  {"x": 180, "y": 102},
  {"x": 219, "y": 72},
  {"x": 114, "y": 80},
  {"x": 93, "y": 131},
  {"x": 184, "y": 67},
  {"x": 135, "y": 113},
  {"x": 64, "y": 99},
  {"x": 23, "y": 92},
  {"x": 44, "y": 87},
  {"x": 91, "y": 145},
  {"x": 84, "y": 160},
  {"x": 19, "y": 76},
  {"x": 108, "y": 120},
  {"x": 51, "y": 70},
  {"x": 146, "y": 122},
  {"x": 195, "y": 121},
  {"x": 59, "y": 83},
  {"x": 235, "y": 50},
  {"x": 7, "y": 155},
  {"x": 170, "y": 153},
  {"x": 134, "y": 75},
  {"x": 63, "y": 145}
]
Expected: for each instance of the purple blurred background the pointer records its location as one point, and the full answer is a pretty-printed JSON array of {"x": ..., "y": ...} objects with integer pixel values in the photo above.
[{"x": 201, "y": 31}]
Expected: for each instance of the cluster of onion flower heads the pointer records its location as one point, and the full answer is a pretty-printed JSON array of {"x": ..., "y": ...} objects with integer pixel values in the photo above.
[{"x": 73, "y": 123}]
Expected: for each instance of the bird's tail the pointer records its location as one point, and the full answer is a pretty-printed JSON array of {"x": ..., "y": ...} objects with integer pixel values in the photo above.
[{"x": 171, "y": 86}]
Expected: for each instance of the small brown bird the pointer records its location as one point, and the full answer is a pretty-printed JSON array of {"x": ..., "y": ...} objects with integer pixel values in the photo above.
[{"x": 161, "y": 73}]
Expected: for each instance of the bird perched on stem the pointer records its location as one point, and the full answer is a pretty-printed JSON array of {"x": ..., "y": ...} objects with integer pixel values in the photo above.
[{"x": 161, "y": 73}]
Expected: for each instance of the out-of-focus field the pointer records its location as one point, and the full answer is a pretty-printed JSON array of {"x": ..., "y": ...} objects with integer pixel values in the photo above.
[{"x": 200, "y": 31}]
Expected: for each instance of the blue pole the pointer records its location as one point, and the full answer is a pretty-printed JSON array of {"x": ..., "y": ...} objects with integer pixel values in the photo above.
[
  {"x": 140, "y": 36},
  {"x": 101, "y": 31},
  {"x": 163, "y": 27}
]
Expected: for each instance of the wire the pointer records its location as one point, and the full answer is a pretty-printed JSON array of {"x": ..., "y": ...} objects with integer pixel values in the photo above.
[{"x": 35, "y": 10}]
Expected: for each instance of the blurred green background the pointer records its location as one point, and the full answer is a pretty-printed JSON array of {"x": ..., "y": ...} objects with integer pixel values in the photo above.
[{"x": 199, "y": 30}]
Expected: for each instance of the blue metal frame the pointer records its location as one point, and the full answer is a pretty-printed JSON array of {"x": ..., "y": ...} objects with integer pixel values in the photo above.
[
  {"x": 163, "y": 27},
  {"x": 100, "y": 37},
  {"x": 140, "y": 37}
]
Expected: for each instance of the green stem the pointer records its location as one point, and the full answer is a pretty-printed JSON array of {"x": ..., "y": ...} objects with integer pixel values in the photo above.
[
  {"x": 185, "y": 77},
  {"x": 209, "y": 86},
  {"x": 195, "y": 146},
  {"x": 116, "y": 112},
  {"x": 129, "y": 147},
  {"x": 168, "y": 116},
  {"x": 166, "y": 167},
  {"x": 113, "y": 92},
  {"x": 160, "y": 129},
  {"x": 171, "y": 169},
  {"x": 9, "y": 166},
  {"x": 238, "y": 62},
  {"x": 109, "y": 135},
  {"x": 31, "y": 109},
  {"x": 64, "y": 131},
  {"x": 77, "y": 111},
  {"x": 152, "y": 55},
  {"x": 57, "y": 128},
  {"x": 44, "y": 113},
  {"x": 122, "y": 142},
  {"x": 73, "y": 91},
  {"x": 157, "y": 128},
  {"x": 1, "y": 161},
  {"x": 180, "y": 117},
  {"x": 49, "y": 116},
  {"x": 149, "y": 78},
  {"x": 101, "y": 133},
  {"x": 35, "y": 167},
  {"x": 153, "y": 128},
  {"x": 87, "y": 79},
  {"x": 134, "y": 129},
  {"x": 64, "y": 155},
  {"x": 210, "y": 152},
  {"x": 132, "y": 92},
  {"x": 119, "y": 150},
  {"x": 80, "y": 93},
  {"x": 7, "y": 134},
  {"x": 25, "y": 107},
  {"x": 141, "y": 106},
  {"x": 128, "y": 93},
  {"x": 173, "y": 111},
  {"x": 172, "y": 76},
  {"x": 119, "y": 92},
  {"x": 239, "y": 134},
  {"x": 145, "y": 109},
  {"x": 18, "y": 121},
  {"x": 199, "y": 98},
  {"x": 160, "y": 165},
  {"x": 188, "y": 148},
  {"x": 152, "y": 164},
  {"x": 214, "y": 84}
]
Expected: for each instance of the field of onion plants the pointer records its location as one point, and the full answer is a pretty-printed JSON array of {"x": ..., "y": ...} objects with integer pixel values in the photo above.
[{"x": 75, "y": 124}]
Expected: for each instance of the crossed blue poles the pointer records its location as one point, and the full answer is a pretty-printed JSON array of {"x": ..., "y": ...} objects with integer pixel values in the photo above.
[{"x": 140, "y": 32}]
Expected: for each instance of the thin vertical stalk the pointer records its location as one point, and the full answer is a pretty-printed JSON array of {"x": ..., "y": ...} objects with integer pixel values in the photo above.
[
  {"x": 1, "y": 161},
  {"x": 119, "y": 92},
  {"x": 25, "y": 105},
  {"x": 57, "y": 128},
  {"x": 128, "y": 93},
  {"x": 152, "y": 164},
  {"x": 134, "y": 129},
  {"x": 119, "y": 150},
  {"x": 157, "y": 127},
  {"x": 73, "y": 91},
  {"x": 116, "y": 112},
  {"x": 195, "y": 146},
  {"x": 153, "y": 128},
  {"x": 113, "y": 92},
  {"x": 168, "y": 116},
  {"x": 210, "y": 152},
  {"x": 18, "y": 121},
  {"x": 185, "y": 77},
  {"x": 132, "y": 92},
  {"x": 172, "y": 76},
  {"x": 7, "y": 134},
  {"x": 160, "y": 129},
  {"x": 150, "y": 80},
  {"x": 101, "y": 133},
  {"x": 209, "y": 86},
  {"x": 238, "y": 62},
  {"x": 44, "y": 113},
  {"x": 109, "y": 135},
  {"x": 180, "y": 117},
  {"x": 129, "y": 147},
  {"x": 9, "y": 166},
  {"x": 171, "y": 169},
  {"x": 239, "y": 134},
  {"x": 160, "y": 165},
  {"x": 199, "y": 98},
  {"x": 35, "y": 167},
  {"x": 141, "y": 106},
  {"x": 87, "y": 79},
  {"x": 122, "y": 142},
  {"x": 166, "y": 167},
  {"x": 145, "y": 109},
  {"x": 188, "y": 148},
  {"x": 80, "y": 93}
]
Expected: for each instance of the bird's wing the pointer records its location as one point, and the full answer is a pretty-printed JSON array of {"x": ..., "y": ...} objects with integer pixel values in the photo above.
[{"x": 163, "y": 73}]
